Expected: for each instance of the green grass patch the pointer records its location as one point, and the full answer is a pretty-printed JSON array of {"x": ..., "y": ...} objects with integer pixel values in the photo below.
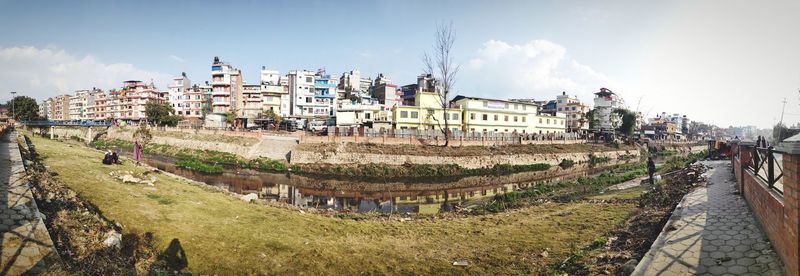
[{"x": 199, "y": 166}]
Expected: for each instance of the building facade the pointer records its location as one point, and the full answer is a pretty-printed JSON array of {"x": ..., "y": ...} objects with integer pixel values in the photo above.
[
  {"x": 492, "y": 115},
  {"x": 185, "y": 98},
  {"x": 427, "y": 113},
  {"x": 226, "y": 88},
  {"x": 301, "y": 91},
  {"x": 605, "y": 103},
  {"x": 575, "y": 112}
]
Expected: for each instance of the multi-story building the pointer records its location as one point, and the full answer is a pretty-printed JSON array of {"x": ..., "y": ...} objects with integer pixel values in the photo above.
[
  {"x": 185, "y": 98},
  {"x": 274, "y": 96},
  {"x": 324, "y": 95},
  {"x": 78, "y": 104},
  {"x": 226, "y": 88},
  {"x": 251, "y": 101},
  {"x": 605, "y": 104},
  {"x": 301, "y": 90},
  {"x": 575, "y": 112},
  {"x": 491, "y": 115},
  {"x": 425, "y": 82},
  {"x": 91, "y": 106},
  {"x": 59, "y": 108},
  {"x": 386, "y": 93},
  {"x": 128, "y": 104},
  {"x": 354, "y": 86},
  {"x": 44, "y": 108},
  {"x": 427, "y": 113}
]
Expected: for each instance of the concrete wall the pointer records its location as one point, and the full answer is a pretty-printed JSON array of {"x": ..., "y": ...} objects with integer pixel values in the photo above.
[{"x": 307, "y": 157}]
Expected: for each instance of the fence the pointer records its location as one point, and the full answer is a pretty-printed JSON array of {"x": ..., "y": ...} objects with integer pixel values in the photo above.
[
  {"x": 436, "y": 137},
  {"x": 769, "y": 180}
]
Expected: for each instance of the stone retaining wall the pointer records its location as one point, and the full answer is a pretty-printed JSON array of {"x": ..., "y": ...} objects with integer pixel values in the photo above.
[
  {"x": 267, "y": 146},
  {"x": 307, "y": 157}
]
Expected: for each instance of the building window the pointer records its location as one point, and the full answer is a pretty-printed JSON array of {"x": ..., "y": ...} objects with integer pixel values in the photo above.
[
  {"x": 366, "y": 115},
  {"x": 506, "y": 118},
  {"x": 454, "y": 116},
  {"x": 472, "y": 116},
  {"x": 559, "y": 109},
  {"x": 515, "y": 118},
  {"x": 523, "y": 119},
  {"x": 308, "y": 100},
  {"x": 485, "y": 104},
  {"x": 540, "y": 120},
  {"x": 548, "y": 121},
  {"x": 485, "y": 117},
  {"x": 414, "y": 114},
  {"x": 495, "y": 117}
]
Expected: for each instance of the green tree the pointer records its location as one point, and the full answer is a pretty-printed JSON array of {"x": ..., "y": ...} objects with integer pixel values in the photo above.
[
  {"x": 628, "y": 121},
  {"x": 22, "y": 108},
  {"x": 591, "y": 119},
  {"x": 161, "y": 114},
  {"x": 230, "y": 116},
  {"x": 269, "y": 114}
]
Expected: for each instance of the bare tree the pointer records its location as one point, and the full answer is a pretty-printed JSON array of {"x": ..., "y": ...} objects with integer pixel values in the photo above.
[{"x": 440, "y": 65}]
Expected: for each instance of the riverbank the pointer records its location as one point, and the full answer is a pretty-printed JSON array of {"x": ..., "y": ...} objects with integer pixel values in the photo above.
[{"x": 221, "y": 233}]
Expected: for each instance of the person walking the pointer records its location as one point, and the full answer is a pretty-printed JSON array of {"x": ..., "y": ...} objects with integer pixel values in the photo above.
[
  {"x": 651, "y": 169},
  {"x": 137, "y": 151}
]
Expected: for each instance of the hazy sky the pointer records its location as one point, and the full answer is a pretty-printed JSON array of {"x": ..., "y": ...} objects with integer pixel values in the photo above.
[{"x": 723, "y": 62}]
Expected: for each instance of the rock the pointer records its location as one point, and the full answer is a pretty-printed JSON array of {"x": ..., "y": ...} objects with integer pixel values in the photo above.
[
  {"x": 113, "y": 238},
  {"x": 249, "y": 197},
  {"x": 461, "y": 263},
  {"x": 130, "y": 179},
  {"x": 628, "y": 267},
  {"x": 544, "y": 254},
  {"x": 42, "y": 216}
]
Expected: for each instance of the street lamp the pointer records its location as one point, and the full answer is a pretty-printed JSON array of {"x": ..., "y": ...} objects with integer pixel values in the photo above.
[{"x": 13, "y": 113}]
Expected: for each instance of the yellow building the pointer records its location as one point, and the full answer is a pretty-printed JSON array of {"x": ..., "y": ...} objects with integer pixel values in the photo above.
[
  {"x": 490, "y": 115},
  {"x": 426, "y": 114}
]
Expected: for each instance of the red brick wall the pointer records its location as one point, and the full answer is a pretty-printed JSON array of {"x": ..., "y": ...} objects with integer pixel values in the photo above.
[{"x": 778, "y": 214}]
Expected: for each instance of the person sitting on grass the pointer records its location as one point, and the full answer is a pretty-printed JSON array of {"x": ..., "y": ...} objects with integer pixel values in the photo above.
[
  {"x": 108, "y": 158},
  {"x": 115, "y": 158}
]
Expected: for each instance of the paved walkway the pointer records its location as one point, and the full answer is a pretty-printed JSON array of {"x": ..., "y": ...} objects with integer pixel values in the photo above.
[
  {"x": 713, "y": 232},
  {"x": 25, "y": 241}
]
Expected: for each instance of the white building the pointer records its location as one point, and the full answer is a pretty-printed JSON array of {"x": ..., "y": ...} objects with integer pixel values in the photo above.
[
  {"x": 575, "y": 112},
  {"x": 78, "y": 104},
  {"x": 605, "y": 102},
  {"x": 186, "y": 99},
  {"x": 301, "y": 92},
  {"x": 274, "y": 96}
]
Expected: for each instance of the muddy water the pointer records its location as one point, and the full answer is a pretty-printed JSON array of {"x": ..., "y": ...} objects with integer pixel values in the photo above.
[{"x": 391, "y": 195}]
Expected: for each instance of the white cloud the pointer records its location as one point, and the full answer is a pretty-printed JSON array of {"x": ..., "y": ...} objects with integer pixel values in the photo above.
[
  {"x": 539, "y": 69},
  {"x": 176, "y": 58},
  {"x": 42, "y": 73}
]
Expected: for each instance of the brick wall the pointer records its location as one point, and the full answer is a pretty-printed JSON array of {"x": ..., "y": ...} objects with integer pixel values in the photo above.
[{"x": 777, "y": 214}]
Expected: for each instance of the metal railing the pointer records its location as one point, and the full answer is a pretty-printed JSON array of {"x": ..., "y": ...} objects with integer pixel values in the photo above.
[
  {"x": 766, "y": 164},
  {"x": 65, "y": 123}
]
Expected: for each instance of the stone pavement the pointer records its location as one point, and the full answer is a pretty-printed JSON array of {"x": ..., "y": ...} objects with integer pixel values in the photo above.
[
  {"x": 26, "y": 244},
  {"x": 712, "y": 232}
]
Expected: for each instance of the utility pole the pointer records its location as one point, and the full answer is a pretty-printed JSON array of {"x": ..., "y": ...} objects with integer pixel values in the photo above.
[
  {"x": 13, "y": 103},
  {"x": 783, "y": 110}
]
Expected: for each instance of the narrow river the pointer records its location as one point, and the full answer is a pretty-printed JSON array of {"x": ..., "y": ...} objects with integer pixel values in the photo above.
[{"x": 429, "y": 195}]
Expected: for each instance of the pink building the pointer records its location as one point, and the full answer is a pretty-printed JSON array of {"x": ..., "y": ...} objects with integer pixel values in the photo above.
[
  {"x": 226, "y": 88},
  {"x": 128, "y": 103},
  {"x": 187, "y": 100}
]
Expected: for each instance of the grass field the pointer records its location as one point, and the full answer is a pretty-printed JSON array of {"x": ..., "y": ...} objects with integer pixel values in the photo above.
[{"x": 221, "y": 234}]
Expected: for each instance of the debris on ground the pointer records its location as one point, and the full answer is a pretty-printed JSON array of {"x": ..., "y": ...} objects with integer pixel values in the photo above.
[
  {"x": 87, "y": 242},
  {"x": 461, "y": 263},
  {"x": 629, "y": 243}
]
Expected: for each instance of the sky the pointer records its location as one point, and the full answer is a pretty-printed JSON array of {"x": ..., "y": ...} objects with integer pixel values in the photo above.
[{"x": 726, "y": 62}]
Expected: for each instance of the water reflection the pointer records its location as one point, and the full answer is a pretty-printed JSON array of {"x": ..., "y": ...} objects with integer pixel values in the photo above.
[{"x": 391, "y": 195}]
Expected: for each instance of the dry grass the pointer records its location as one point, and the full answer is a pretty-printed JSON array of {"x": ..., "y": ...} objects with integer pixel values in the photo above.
[{"x": 223, "y": 235}]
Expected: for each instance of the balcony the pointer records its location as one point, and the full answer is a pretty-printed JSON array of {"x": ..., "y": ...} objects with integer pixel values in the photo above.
[
  {"x": 220, "y": 93},
  {"x": 220, "y": 103},
  {"x": 220, "y": 82}
]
